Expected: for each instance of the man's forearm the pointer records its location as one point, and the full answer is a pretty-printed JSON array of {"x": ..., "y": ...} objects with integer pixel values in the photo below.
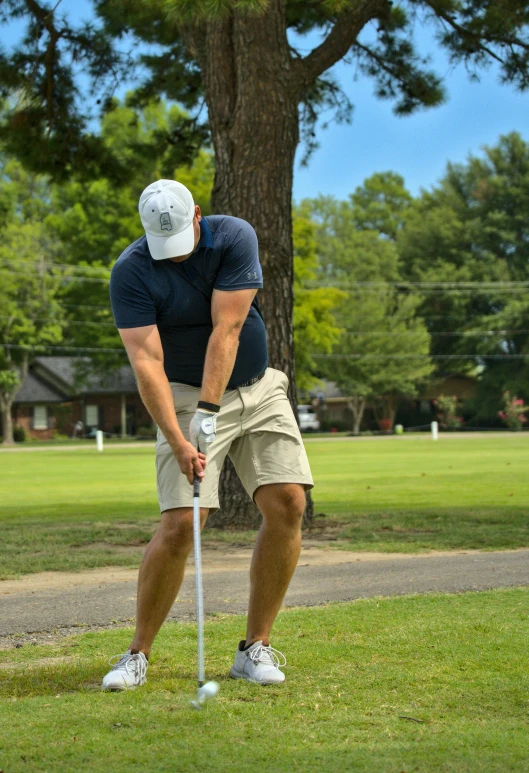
[
  {"x": 220, "y": 359},
  {"x": 158, "y": 399}
]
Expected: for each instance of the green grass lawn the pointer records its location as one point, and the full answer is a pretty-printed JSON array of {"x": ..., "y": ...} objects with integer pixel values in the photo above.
[
  {"x": 431, "y": 684},
  {"x": 77, "y": 508}
]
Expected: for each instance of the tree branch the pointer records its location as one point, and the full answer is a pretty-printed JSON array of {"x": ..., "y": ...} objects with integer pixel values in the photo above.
[
  {"x": 379, "y": 60},
  {"x": 46, "y": 19},
  {"x": 465, "y": 32},
  {"x": 343, "y": 34}
]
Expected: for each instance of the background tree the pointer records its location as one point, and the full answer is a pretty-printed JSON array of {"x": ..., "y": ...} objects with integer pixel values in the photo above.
[
  {"x": 382, "y": 355},
  {"x": 315, "y": 327},
  {"x": 262, "y": 94},
  {"x": 96, "y": 220},
  {"x": 472, "y": 228},
  {"x": 383, "y": 350},
  {"x": 30, "y": 313}
]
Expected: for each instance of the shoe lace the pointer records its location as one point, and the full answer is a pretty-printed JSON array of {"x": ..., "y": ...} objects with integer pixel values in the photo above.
[
  {"x": 134, "y": 664},
  {"x": 269, "y": 655}
]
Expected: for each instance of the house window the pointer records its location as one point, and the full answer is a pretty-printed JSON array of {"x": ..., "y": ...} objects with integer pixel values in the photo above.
[
  {"x": 40, "y": 417},
  {"x": 92, "y": 415}
]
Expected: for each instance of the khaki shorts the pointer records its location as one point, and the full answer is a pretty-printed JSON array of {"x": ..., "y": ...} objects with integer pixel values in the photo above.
[{"x": 255, "y": 427}]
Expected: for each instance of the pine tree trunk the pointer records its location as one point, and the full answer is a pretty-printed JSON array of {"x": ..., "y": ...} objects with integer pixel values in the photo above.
[{"x": 246, "y": 65}]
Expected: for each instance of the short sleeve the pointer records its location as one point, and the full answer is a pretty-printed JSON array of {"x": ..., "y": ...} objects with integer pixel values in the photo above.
[
  {"x": 240, "y": 268},
  {"x": 132, "y": 303}
]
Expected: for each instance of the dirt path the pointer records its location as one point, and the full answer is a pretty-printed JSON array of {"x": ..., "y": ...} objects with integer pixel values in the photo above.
[{"x": 43, "y": 607}]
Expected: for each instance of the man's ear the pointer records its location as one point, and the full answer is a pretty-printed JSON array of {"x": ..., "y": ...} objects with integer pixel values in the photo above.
[{"x": 198, "y": 213}]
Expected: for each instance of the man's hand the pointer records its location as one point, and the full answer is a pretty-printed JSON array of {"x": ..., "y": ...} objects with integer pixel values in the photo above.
[
  {"x": 203, "y": 429},
  {"x": 190, "y": 461}
]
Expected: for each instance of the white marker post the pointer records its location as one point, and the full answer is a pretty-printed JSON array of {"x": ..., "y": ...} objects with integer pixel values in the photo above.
[
  {"x": 435, "y": 430},
  {"x": 99, "y": 440}
]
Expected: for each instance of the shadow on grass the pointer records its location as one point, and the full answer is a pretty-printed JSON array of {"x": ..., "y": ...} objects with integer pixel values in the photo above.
[
  {"x": 33, "y": 545},
  {"x": 426, "y": 529},
  {"x": 59, "y": 675}
]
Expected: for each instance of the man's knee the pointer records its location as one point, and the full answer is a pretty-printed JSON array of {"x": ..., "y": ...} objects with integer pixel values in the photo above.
[
  {"x": 176, "y": 528},
  {"x": 282, "y": 503}
]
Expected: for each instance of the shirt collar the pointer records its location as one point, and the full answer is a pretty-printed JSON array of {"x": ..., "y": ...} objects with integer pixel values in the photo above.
[{"x": 206, "y": 237}]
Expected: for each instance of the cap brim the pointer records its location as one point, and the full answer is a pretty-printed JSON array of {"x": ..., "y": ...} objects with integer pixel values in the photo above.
[{"x": 164, "y": 247}]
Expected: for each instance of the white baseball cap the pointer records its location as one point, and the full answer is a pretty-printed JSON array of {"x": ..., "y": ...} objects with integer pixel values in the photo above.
[{"x": 167, "y": 210}]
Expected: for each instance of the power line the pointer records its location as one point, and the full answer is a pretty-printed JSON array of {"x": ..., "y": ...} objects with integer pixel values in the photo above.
[
  {"x": 80, "y": 305},
  {"x": 434, "y": 292},
  {"x": 107, "y": 307},
  {"x": 405, "y": 284},
  {"x": 93, "y": 349},
  {"x": 62, "y": 279},
  {"x": 446, "y": 287},
  {"x": 47, "y": 347},
  {"x": 345, "y": 284},
  {"x": 70, "y": 321},
  {"x": 367, "y": 333},
  {"x": 52, "y": 264},
  {"x": 469, "y": 333},
  {"x": 420, "y": 356}
]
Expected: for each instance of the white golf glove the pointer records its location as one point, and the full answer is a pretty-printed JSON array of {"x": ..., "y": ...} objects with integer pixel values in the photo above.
[{"x": 203, "y": 429}]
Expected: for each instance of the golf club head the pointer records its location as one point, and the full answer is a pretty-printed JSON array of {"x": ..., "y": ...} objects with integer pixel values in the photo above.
[{"x": 204, "y": 693}]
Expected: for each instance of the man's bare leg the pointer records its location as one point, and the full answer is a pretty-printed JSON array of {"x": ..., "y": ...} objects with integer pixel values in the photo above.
[
  {"x": 275, "y": 555},
  {"x": 161, "y": 573}
]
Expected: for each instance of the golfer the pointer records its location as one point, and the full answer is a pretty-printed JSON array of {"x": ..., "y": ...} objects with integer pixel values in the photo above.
[{"x": 183, "y": 301}]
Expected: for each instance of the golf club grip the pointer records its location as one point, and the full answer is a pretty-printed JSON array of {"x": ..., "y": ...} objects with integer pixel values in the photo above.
[{"x": 196, "y": 486}]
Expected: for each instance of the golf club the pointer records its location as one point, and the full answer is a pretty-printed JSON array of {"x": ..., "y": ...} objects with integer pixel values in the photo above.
[{"x": 205, "y": 689}]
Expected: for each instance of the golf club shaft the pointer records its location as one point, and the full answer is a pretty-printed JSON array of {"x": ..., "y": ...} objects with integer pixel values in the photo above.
[{"x": 198, "y": 579}]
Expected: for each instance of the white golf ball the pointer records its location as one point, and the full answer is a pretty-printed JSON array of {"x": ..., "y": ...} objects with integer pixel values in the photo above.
[{"x": 209, "y": 690}]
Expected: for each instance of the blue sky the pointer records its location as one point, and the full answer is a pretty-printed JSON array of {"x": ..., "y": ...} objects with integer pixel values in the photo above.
[{"x": 417, "y": 147}]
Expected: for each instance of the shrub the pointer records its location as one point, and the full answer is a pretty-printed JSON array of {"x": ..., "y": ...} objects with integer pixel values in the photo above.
[
  {"x": 146, "y": 432},
  {"x": 513, "y": 413},
  {"x": 19, "y": 434},
  {"x": 446, "y": 407},
  {"x": 329, "y": 425}
]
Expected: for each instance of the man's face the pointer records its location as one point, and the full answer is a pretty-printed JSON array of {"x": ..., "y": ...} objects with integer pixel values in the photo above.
[{"x": 196, "y": 231}]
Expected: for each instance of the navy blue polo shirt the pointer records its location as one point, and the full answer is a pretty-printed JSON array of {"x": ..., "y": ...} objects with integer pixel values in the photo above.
[{"x": 177, "y": 298}]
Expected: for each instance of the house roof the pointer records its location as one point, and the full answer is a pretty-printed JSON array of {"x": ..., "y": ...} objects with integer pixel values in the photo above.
[
  {"x": 34, "y": 390},
  {"x": 56, "y": 379},
  {"x": 467, "y": 383},
  {"x": 329, "y": 389},
  {"x": 67, "y": 369}
]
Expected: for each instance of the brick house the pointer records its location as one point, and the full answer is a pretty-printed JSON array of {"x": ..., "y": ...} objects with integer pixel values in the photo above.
[
  {"x": 332, "y": 406},
  {"x": 53, "y": 400}
]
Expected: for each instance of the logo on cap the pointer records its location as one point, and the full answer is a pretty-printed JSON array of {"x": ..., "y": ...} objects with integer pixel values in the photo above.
[{"x": 165, "y": 222}]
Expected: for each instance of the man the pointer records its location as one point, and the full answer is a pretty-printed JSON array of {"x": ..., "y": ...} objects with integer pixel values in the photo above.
[{"x": 183, "y": 302}]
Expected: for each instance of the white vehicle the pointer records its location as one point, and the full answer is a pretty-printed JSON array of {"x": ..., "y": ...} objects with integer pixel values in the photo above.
[{"x": 308, "y": 421}]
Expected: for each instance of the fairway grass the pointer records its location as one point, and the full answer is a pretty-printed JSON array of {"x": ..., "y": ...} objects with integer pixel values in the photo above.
[
  {"x": 431, "y": 684},
  {"x": 68, "y": 510}
]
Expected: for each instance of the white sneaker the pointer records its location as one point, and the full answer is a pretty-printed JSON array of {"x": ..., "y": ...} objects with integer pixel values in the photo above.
[
  {"x": 258, "y": 664},
  {"x": 128, "y": 672}
]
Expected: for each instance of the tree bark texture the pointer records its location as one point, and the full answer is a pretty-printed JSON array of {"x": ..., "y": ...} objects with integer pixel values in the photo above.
[
  {"x": 357, "y": 405},
  {"x": 253, "y": 87},
  {"x": 8, "y": 392},
  {"x": 253, "y": 115},
  {"x": 7, "y": 423}
]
